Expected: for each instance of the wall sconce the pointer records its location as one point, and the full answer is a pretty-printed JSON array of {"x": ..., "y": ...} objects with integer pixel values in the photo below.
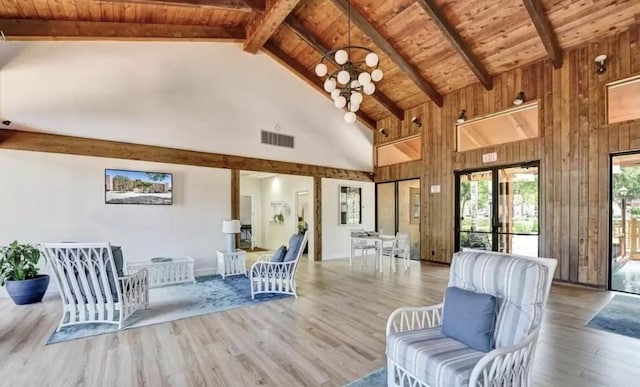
[
  {"x": 462, "y": 117},
  {"x": 417, "y": 121},
  {"x": 601, "y": 61},
  {"x": 384, "y": 132},
  {"x": 520, "y": 99}
]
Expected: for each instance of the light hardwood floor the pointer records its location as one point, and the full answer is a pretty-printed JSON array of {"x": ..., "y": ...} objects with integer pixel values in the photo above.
[{"x": 332, "y": 334}]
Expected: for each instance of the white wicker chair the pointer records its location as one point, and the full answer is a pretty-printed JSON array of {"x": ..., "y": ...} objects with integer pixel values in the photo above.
[
  {"x": 417, "y": 350},
  {"x": 90, "y": 288},
  {"x": 276, "y": 277},
  {"x": 401, "y": 247}
]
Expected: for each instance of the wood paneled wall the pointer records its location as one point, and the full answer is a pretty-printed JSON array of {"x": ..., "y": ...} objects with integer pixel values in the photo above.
[{"x": 573, "y": 150}]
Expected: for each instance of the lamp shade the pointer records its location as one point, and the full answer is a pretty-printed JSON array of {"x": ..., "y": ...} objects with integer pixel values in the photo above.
[{"x": 230, "y": 226}]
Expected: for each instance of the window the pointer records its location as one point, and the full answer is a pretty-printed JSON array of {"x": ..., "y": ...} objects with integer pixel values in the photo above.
[
  {"x": 622, "y": 100},
  {"x": 350, "y": 205},
  {"x": 509, "y": 126},
  {"x": 399, "y": 152}
]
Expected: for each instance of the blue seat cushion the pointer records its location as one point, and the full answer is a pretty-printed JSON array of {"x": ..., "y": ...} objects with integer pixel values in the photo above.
[
  {"x": 433, "y": 358},
  {"x": 470, "y": 318},
  {"x": 278, "y": 256},
  {"x": 294, "y": 245}
]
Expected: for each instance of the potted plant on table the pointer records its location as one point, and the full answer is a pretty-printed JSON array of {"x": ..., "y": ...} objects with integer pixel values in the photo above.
[{"x": 18, "y": 271}]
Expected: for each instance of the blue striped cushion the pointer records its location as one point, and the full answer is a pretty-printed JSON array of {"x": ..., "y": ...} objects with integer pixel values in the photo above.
[
  {"x": 517, "y": 283},
  {"x": 432, "y": 357}
]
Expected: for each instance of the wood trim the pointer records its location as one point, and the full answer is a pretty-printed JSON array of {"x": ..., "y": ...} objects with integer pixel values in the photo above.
[
  {"x": 280, "y": 56},
  {"x": 303, "y": 33},
  {"x": 24, "y": 29},
  {"x": 455, "y": 40},
  {"x": 226, "y": 5},
  {"x": 235, "y": 198},
  {"x": 317, "y": 207},
  {"x": 545, "y": 30},
  {"x": 53, "y": 143},
  {"x": 376, "y": 37},
  {"x": 264, "y": 24}
]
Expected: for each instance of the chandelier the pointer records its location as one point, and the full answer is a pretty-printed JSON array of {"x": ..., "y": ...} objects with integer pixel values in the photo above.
[{"x": 356, "y": 73}]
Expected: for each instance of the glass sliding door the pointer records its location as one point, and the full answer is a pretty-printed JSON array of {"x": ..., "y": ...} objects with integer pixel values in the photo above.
[
  {"x": 386, "y": 208},
  {"x": 625, "y": 223},
  {"x": 497, "y": 209},
  {"x": 398, "y": 210},
  {"x": 409, "y": 213}
]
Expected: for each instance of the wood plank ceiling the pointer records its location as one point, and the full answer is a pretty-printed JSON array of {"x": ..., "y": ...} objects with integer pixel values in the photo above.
[{"x": 427, "y": 48}]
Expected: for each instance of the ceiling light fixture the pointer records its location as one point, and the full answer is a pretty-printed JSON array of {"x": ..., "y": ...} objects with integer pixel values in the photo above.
[
  {"x": 351, "y": 78},
  {"x": 601, "y": 61},
  {"x": 417, "y": 121},
  {"x": 384, "y": 132},
  {"x": 520, "y": 99},
  {"x": 462, "y": 117}
]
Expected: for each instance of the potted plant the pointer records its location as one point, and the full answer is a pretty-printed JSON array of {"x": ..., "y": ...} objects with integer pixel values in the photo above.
[{"x": 18, "y": 271}]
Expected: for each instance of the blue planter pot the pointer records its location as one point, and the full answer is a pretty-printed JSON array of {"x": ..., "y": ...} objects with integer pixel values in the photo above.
[{"x": 27, "y": 291}]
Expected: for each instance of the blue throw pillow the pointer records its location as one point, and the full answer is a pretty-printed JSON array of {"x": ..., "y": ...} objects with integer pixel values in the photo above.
[
  {"x": 278, "y": 256},
  {"x": 294, "y": 245},
  {"x": 469, "y": 318}
]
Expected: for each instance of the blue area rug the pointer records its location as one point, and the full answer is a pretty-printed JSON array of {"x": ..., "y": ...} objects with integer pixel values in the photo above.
[
  {"x": 621, "y": 315},
  {"x": 377, "y": 378},
  {"x": 209, "y": 294}
]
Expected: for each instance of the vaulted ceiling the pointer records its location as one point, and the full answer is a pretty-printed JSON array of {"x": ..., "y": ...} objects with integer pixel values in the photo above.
[{"x": 428, "y": 48}]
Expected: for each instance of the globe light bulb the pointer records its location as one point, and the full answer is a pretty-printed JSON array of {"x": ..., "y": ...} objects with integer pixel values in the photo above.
[
  {"x": 356, "y": 98},
  {"x": 355, "y": 84},
  {"x": 341, "y": 57},
  {"x": 376, "y": 75},
  {"x": 371, "y": 59},
  {"x": 321, "y": 69},
  {"x": 369, "y": 89},
  {"x": 364, "y": 78},
  {"x": 343, "y": 77},
  {"x": 335, "y": 93},
  {"x": 329, "y": 85},
  {"x": 350, "y": 117},
  {"x": 340, "y": 102},
  {"x": 354, "y": 107}
]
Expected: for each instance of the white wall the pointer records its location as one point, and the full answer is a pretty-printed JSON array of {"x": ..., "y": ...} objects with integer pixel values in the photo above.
[
  {"x": 336, "y": 238},
  {"x": 51, "y": 198},
  {"x": 204, "y": 96},
  {"x": 249, "y": 186},
  {"x": 283, "y": 188}
]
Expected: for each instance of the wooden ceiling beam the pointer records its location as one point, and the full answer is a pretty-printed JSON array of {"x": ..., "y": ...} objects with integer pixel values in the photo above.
[
  {"x": 545, "y": 31},
  {"x": 264, "y": 24},
  {"x": 376, "y": 37},
  {"x": 303, "y": 33},
  {"x": 311, "y": 79},
  {"x": 227, "y": 5},
  {"x": 54, "y": 143},
  {"x": 452, "y": 35},
  {"x": 28, "y": 29}
]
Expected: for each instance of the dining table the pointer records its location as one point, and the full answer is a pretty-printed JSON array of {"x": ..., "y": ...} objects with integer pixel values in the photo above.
[{"x": 376, "y": 240}]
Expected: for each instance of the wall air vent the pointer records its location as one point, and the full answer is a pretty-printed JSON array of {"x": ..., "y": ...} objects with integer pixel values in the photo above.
[{"x": 277, "y": 139}]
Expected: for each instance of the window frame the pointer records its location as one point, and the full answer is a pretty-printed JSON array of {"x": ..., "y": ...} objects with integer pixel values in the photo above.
[
  {"x": 618, "y": 83},
  {"x": 390, "y": 143}
]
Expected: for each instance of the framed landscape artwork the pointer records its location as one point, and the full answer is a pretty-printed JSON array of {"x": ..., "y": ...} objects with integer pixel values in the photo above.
[{"x": 136, "y": 187}]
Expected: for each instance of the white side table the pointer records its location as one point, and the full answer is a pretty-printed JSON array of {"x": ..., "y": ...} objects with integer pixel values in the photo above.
[
  {"x": 169, "y": 272},
  {"x": 232, "y": 263}
]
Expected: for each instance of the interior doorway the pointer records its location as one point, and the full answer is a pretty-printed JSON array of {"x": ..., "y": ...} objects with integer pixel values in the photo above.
[
  {"x": 497, "y": 209},
  {"x": 247, "y": 241},
  {"x": 625, "y": 223},
  {"x": 302, "y": 214}
]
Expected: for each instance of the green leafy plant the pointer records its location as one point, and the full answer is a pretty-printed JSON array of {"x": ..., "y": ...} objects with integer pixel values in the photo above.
[{"x": 18, "y": 262}]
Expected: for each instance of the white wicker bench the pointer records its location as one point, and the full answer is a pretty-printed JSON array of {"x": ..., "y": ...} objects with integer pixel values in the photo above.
[{"x": 176, "y": 271}]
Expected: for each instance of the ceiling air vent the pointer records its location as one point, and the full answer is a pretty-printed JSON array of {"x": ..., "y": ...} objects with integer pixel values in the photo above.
[{"x": 277, "y": 139}]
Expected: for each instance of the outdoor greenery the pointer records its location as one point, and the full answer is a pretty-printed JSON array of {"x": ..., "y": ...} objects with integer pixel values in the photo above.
[
  {"x": 18, "y": 262},
  {"x": 157, "y": 176}
]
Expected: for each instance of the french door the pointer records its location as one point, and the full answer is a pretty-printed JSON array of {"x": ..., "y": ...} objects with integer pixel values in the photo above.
[{"x": 497, "y": 209}]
